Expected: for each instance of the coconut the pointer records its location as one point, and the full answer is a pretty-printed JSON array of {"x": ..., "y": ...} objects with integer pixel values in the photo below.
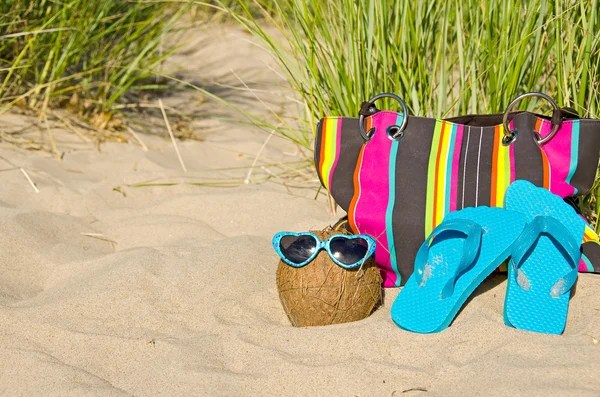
[{"x": 323, "y": 293}]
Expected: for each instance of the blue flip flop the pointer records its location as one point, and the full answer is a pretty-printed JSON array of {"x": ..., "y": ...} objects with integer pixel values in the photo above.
[
  {"x": 458, "y": 255},
  {"x": 544, "y": 260}
]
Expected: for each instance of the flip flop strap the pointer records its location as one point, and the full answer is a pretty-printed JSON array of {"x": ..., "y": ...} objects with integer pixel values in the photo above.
[
  {"x": 472, "y": 234},
  {"x": 561, "y": 237}
]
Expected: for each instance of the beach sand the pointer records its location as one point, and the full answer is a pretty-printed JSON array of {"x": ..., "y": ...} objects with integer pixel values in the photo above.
[{"x": 108, "y": 289}]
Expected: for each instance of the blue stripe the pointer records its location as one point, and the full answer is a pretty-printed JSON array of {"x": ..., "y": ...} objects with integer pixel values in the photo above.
[
  {"x": 574, "y": 151},
  {"x": 588, "y": 264},
  {"x": 390, "y": 208},
  {"x": 449, "y": 159}
]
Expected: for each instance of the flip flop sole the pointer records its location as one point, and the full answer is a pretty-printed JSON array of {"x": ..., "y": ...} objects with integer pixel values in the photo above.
[{"x": 535, "y": 309}]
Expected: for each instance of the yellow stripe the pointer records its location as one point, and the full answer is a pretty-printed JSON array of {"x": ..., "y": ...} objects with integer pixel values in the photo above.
[
  {"x": 589, "y": 235},
  {"x": 502, "y": 172},
  {"x": 330, "y": 148},
  {"x": 431, "y": 171},
  {"x": 441, "y": 169},
  {"x": 508, "y": 166}
]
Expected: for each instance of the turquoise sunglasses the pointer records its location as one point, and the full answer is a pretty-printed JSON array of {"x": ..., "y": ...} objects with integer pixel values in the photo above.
[{"x": 347, "y": 251}]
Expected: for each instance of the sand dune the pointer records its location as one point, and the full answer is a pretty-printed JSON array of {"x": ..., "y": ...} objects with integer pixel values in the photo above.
[{"x": 108, "y": 289}]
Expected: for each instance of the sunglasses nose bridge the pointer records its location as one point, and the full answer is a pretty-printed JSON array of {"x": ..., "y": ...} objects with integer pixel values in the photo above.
[{"x": 321, "y": 244}]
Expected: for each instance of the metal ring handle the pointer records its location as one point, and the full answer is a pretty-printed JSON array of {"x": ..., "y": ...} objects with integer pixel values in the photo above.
[
  {"x": 510, "y": 136},
  {"x": 400, "y": 132}
]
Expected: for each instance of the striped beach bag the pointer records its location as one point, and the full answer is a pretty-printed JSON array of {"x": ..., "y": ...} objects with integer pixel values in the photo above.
[{"x": 398, "y": 175}]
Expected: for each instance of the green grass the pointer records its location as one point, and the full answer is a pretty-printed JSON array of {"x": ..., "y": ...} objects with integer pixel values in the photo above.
[
  {"x": 445, "y": 58},
  {"x": 97, "y": 49},
  {"x": 257, "y": 8}
]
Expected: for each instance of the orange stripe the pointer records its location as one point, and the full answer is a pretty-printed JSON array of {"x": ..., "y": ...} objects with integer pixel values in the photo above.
[
  {"x": 589, "y": 235},
  {"x": 495, "y": 168},
  {"x": 538, "y": 125},
  {"x": 352, "y": 207},
  {"x": 546, "y": 171},
  {"x": 437, "y": 174}
]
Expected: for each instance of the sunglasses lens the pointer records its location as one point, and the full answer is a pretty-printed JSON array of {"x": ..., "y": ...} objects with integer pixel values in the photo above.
[
  {"x": 297, "y": 249},
  {"x": 349, "y": 251}
]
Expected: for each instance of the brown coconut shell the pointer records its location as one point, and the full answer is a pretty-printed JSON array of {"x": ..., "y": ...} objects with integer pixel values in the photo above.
[{"x": 323, "y": 293}]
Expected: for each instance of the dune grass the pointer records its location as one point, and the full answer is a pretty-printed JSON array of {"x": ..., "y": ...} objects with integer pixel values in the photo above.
[
  {"x": 97, "y": 49},
  {"x": 445, "y": 58},
  {"x": 230, "y": 7}
]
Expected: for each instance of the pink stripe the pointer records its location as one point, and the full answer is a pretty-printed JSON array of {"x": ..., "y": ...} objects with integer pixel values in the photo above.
[
  {"x": 511, "y": 153},
  {"x": 455, "y": 166},
  {"x": 582, "y": 268},
  {"x": 371, "y": 207},
  {"x": 338, "y": 139},
  {"x": 558, "y": 152}
]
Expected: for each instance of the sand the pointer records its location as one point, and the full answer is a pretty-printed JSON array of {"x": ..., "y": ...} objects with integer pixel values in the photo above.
[{"x": 109, "y": 289}]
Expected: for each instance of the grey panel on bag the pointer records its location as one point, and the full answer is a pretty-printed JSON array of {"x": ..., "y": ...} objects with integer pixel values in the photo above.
[
  {"x": 342, "y": 183},
  {"x": 528, "y": 157},
  {"x": 409, "y": 208},
  {"x": 475, "y": 166},
  {"x": 589, "y": 139},
  {"x": 592, "y": 251}
]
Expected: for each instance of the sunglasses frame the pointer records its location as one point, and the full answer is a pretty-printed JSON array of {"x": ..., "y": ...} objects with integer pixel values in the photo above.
[{"x": 324, "y": 245}]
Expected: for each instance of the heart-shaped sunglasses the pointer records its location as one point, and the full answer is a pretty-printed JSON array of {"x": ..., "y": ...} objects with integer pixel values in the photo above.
[{"x": 348, "y": 251}]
